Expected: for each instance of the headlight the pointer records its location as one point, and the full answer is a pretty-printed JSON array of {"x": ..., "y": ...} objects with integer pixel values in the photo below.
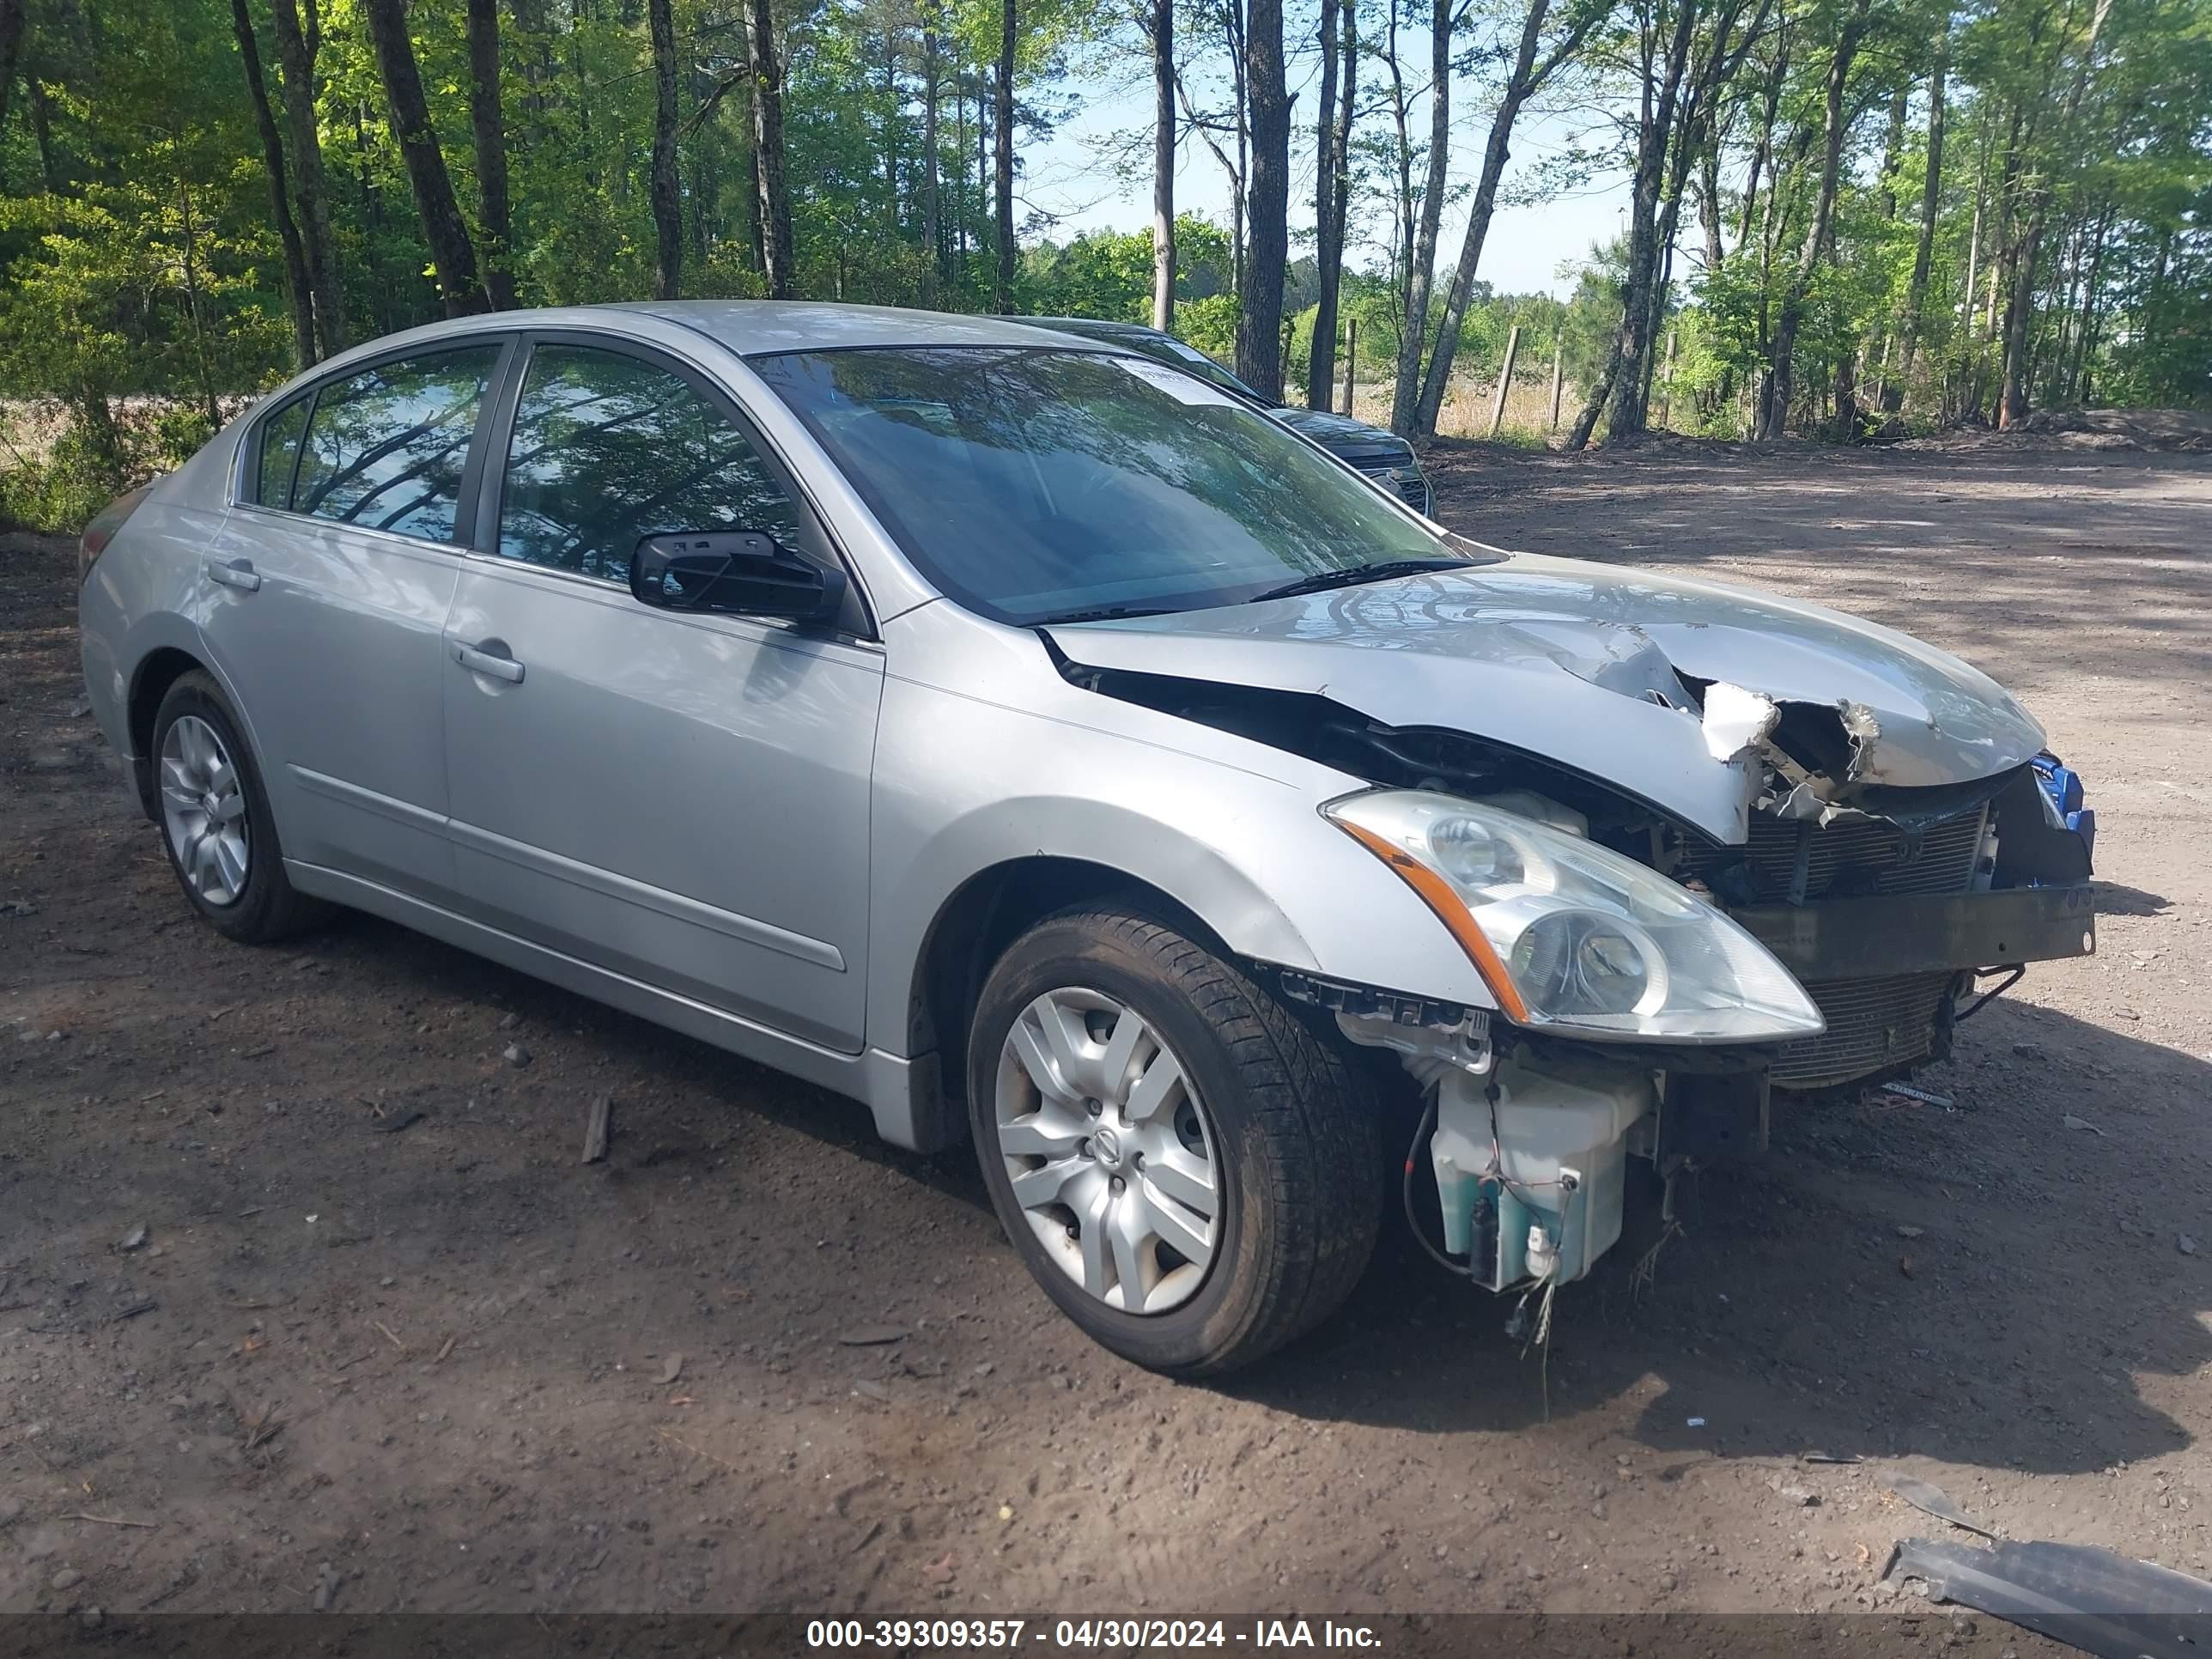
[{"x": 1572, "y": 935}]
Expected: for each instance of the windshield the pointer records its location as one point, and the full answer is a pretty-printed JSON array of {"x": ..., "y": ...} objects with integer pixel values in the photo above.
[{"x": 1032, "y": 484}]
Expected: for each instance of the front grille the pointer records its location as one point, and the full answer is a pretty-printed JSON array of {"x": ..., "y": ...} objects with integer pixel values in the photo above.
[
  {"x": 1873, "y": 1025},
  {"x": 1844, "y": 860},
  {"x": 1412, "y": 489}
]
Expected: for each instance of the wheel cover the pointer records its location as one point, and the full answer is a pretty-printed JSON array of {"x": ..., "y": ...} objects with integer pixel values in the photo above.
[
  {"x": 203, "y": 809},
  {"x": 1109, "y": 1152}
]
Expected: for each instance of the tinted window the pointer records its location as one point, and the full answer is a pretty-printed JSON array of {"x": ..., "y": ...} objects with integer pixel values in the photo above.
[
  {"x": 1031, "y": 483},
  {"x": 607, "y": 449},
  {"x": 280, "y": 448},
  {"x": 385, "y": 446}
]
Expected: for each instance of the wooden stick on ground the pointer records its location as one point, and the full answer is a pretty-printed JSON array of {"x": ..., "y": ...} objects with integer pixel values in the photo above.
[{"x": 595, "y": 1128}]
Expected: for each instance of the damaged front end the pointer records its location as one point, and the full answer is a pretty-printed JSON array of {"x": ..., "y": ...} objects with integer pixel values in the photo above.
[{"x": 1703, "y": 847}]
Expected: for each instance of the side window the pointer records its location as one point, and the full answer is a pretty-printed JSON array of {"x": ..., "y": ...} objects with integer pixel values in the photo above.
[
  {"x": 280, "y": 449},
  {"x": 608, "y": 449},
  {"x": 385, "y": 446}
]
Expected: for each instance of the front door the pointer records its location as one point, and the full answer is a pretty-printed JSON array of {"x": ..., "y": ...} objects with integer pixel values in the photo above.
[
  {"x": 324, "y": 596},
  {"x": 680, "y": 798}
]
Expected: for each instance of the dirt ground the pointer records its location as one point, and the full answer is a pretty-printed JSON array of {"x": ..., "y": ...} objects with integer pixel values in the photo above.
[{"x": 387, "y": 1341}]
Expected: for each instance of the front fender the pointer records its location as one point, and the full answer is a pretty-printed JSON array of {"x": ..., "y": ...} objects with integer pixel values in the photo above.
[{"x": 1228, "y": 828}]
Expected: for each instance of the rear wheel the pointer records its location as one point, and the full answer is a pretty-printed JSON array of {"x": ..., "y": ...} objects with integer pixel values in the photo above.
[
  {"x": 1189, "y": 1173},
  {"x": 216, "y": 822}
]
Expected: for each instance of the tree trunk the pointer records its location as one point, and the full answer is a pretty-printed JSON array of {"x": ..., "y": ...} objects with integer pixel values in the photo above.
[
  {"x": 768, "y": 148},
  {"x": 1404, "y": 391},
  {"x": 1002, "y": 278},
  {"x": 1624, "y": 376},
  {"x": 299, "y": 295},
  {"x": 489, "y": 124},
  {"x": 1931, "y": 188},
  {"x": 667, "y": 198},
  {"x": 1762, "y": 152},
  {"x": 1164, "y": 157},
  {"x": 12, "y": 21},
  {"x": 1331, "y": 185},
  {"x": 1848, "y": 36},
  {"x": 1525, "y": 77},
  {"x": 452, "y": 254},
  {"x": 1259, "y": 338},
  {"x": 933, "y": 208},
  {"x": 295, "y": 54}
]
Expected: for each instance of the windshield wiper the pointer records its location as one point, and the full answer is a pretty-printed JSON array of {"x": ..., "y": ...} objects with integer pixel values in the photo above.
[
  {"x": 1321, "y": 580},
  {"x": 1103, "y": 613}
]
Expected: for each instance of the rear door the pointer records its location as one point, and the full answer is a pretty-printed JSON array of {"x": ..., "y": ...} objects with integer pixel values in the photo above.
[
  {"x": 680, "y": 798},
  {"x": 324, "y": 596}
]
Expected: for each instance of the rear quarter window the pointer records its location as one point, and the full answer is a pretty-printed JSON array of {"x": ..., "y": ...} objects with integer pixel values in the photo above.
[{"x": 278, "y": 450}]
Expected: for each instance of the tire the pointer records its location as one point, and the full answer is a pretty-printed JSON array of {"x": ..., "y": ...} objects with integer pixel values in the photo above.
[
  {"x": 1287, "y": 1129},
  {"x": 262, "y": 909}
]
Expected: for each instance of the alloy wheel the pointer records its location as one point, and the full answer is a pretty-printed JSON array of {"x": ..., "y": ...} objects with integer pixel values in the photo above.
[
  {"x": 204, "y": 811},
  {"x": 1109, "y": 1152}
]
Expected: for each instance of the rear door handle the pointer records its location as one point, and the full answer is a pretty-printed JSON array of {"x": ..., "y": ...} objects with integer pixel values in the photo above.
[
  {"x": 477, "y": 661},
  {"x": 239, "y": 574}
]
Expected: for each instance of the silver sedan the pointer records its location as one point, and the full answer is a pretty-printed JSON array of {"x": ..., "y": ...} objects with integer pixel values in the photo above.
[{"x": 1037, "y": 744}]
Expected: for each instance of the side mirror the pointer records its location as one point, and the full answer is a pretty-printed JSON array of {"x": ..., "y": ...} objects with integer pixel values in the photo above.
[{"x": 740, "y": 572}]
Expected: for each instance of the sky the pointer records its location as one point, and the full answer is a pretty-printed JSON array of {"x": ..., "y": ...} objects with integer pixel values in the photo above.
[{"x": 1530, "y": 248}]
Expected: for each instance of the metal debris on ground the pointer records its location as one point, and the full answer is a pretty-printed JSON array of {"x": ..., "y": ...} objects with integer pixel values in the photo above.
[
  {"x": 2094, "y": 1599},
  {"x": 670, "y": 1369},
  {"x": 1931, "y": 1499},
  {"x": 872, "y": 1336},
  {"x": 133, "y": 1240},
  {"x": 2074, "y": 1122},
  {"x": 595, "y": 1128}
]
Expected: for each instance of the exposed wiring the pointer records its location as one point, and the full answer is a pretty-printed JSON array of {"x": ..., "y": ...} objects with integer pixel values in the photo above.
[{"x": 1406, "y": 1192}]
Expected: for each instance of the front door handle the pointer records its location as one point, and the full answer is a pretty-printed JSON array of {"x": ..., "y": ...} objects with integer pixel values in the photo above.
[
  {"x": 477, "y": 661},
  {"x": 239, "y": 574}
]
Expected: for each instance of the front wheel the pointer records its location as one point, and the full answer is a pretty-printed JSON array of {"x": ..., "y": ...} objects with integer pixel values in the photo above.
[{"x": 1190, "y": 1173}]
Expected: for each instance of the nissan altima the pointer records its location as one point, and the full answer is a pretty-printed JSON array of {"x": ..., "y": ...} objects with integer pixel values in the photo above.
[{"x": 1046, "y": 749}]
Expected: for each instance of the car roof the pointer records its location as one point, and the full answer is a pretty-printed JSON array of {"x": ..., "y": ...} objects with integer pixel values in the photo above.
[
  {"x": 752, "y": 327},
  {"x": 748, "y": 327}
]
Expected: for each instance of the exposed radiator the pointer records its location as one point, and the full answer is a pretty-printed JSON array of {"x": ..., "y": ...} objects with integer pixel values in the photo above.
[{"x": 1873, "y": 1025}]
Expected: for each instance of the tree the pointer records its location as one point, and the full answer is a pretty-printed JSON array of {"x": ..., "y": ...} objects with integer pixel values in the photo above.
[
  {"x": 1421, "y": 258},
  {"x": 1259, "y": 326},
  {"x": 1332, "y": 189},
  {"x": 451, "y": 251},
  {"x": 299, "y": 293},
  {"x": 774, "y": 196},
  {"x": 1162, "y": 31},
  {"x": 1002, "y": 283},
  {"x": 1923, "y": 247},
  {"x": 297, "y": 48},
  {"x": 487, "y": 123},
  {"x": 667, "y": 210},
  {"x": 1528, "y": 76},
  {"x": 1850, "y": 30}
]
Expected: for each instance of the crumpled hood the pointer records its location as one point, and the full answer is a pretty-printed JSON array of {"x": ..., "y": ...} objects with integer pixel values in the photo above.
[
  {"x": 1584, "y": 663},
  {"x": 1340, "y": 432}
]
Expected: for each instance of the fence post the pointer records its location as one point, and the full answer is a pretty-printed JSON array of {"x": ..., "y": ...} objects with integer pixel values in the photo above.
[
  {"x": 1351, "y": 356},
  {"x": 1505, "y": 379},
  {"x": 1559, "y": 357}
]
